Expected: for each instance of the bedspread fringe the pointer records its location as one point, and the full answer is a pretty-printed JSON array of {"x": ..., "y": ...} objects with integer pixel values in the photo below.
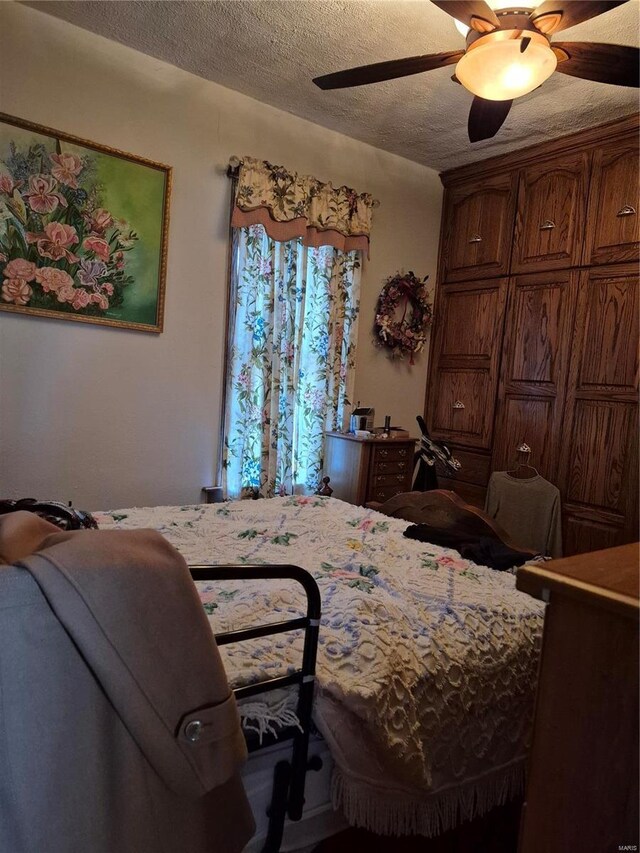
[
  {"x": 399, "y": 813},
  {"x": 270, "y": 717}
]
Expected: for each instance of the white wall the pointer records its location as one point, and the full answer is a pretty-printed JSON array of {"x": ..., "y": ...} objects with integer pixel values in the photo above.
[{"x": 111, "y": 418}]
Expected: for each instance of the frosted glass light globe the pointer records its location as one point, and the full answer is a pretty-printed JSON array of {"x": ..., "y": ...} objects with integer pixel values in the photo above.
[{"x": 498, "y": 71}]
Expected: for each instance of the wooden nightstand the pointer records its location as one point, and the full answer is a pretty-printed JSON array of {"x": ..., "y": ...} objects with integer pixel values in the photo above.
[{"x": 368, "y": 469}]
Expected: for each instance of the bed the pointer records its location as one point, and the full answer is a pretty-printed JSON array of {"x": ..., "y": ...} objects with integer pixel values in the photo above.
[{"x": 426, "y": 663}]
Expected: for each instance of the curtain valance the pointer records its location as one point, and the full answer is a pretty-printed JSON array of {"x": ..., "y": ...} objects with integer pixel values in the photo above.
[{"x": 288, "y": 205}]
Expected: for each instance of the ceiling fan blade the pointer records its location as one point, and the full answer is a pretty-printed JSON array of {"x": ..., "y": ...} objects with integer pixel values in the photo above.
[
  {"x": 387, "y": 70},
  {"x": 555, "y": 15},
  {"x": 474, "y": 13},
  {"x": 604, "y": 63},
  {"x": 486, "y": 118}
]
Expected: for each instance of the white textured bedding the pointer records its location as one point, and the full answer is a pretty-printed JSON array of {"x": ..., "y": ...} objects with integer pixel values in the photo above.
[{"x": 426, "y": 664}]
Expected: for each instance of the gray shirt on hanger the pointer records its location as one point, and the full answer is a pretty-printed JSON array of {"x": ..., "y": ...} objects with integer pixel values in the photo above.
[{"x": 528, "y": 510}]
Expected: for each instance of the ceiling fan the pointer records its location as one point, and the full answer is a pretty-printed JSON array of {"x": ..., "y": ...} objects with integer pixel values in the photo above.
[{"x": 508, "y": 54}]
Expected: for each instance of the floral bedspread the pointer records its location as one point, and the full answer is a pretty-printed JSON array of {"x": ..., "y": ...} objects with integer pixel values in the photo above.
[{"x": 426, "y": 662}]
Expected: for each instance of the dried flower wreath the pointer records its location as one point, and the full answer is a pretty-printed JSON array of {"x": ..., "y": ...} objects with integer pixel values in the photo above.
[{"x": 408, "y": 333}]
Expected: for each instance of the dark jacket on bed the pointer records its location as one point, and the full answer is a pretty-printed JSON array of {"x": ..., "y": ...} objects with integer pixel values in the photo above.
[{"x": 106, "y": 656}]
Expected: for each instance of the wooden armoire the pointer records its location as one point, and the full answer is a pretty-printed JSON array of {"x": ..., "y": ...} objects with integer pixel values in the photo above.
[{"x": 535, "y": 336}]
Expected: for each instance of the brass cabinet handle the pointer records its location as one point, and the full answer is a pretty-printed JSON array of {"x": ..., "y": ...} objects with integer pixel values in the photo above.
[
  {"x": 383, "y": 451},
  {"x": 458, "y": 405},
  {"x": 476, "y": 239},
  {"x": 402, "y": 452},
  {"x": 627, "y": 210},
  {"x": 400, "y": 478},
  {"x": 548, "y": 225}
]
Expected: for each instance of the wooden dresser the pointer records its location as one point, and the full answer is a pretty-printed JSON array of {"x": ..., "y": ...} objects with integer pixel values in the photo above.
[
  {"x": 536, "y": 326},
  {"x": 582, "y": 789},
  {"x": 368, "y": 469}
]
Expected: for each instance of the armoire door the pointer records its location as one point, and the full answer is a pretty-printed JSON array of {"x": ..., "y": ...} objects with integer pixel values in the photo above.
[
  {"x": 466, "y": 352},
  {"x": 479, "y": 216},
  {"x": 599, "y": 466},
  {"x": 534, "y": 368},
  {"x": 613, "y": 231},
  {"x": 550, "y": 216}
]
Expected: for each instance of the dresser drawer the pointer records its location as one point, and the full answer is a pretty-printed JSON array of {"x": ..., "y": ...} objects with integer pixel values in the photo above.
[
  {"x": 390, "y": 479},
  {"x": 393, "y": 466},
  {"x": 382, "y": 493},
  {"x": 399, "y": 453}
]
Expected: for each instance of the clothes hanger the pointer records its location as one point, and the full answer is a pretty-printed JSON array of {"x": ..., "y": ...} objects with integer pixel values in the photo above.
[{"x": 523, "y": 470}]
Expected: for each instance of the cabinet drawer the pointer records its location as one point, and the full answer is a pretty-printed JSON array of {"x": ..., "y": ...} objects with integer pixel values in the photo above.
[
  {"x": 475, "y": 467},
  {"x": 469, "y": 492}
]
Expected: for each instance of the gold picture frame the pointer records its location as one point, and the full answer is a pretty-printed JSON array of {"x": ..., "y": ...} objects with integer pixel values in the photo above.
[{"x": 83, "y": 229}]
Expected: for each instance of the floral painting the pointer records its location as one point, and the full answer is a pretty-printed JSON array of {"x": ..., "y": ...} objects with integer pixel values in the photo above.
[{"x": 83, "y": 229}]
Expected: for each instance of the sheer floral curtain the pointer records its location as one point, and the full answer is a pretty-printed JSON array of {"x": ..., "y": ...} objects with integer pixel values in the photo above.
[{"x": 292, "y": 341}]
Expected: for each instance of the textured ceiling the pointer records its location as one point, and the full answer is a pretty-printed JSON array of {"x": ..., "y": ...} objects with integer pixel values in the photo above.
[{"x": 270, "y": 50}]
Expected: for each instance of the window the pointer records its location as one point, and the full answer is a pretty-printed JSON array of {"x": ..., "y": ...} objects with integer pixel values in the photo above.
[{"x": 291, "y": 351}]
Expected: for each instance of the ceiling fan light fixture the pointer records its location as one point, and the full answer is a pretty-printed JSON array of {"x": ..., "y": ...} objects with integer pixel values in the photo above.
[
  {"x": 525, "y": 7},
  {"x": 497, "y": 69}
]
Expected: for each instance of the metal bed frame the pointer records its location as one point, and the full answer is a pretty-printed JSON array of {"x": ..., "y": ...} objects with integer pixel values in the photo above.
[{"x": 287, "y": 796}]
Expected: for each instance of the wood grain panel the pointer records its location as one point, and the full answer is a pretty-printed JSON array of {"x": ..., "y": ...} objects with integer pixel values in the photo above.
[
  {"x": 534, "y": 370},
  {"x": 581, "y": 535},
  {"x": 610, "y": 352},
  {"x": 478, "y": 239},
  {"x": 613, "y": 232},
  {"x": 599, "y": 465},
  {"x": 469, "y": 320},
  {"x": 346, "y": 462},
  {"x": 529, "y": 420},
  {"x": 469, "y": 492},
  {"x": 538, "y": 323},
  {"x": 603, "y": 436},
  {"x": 552, "y": 200},
  {"x": 585, "y": 741},
  {"x": 472, "y": 424},
  {"x": 474, "y": 467}
]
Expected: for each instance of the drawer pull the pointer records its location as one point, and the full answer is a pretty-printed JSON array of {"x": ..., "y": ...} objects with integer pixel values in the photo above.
[
  {"x": 548, "y": 225},
  {"x": 383, "y": 452},
  {"x": 627, "y": 210},
  {"x": 458, "y": 405},
  {"x": 475, "y": 239},
  {"x": 402, "y": 452},
  {"x": 400, "y": 478}
]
